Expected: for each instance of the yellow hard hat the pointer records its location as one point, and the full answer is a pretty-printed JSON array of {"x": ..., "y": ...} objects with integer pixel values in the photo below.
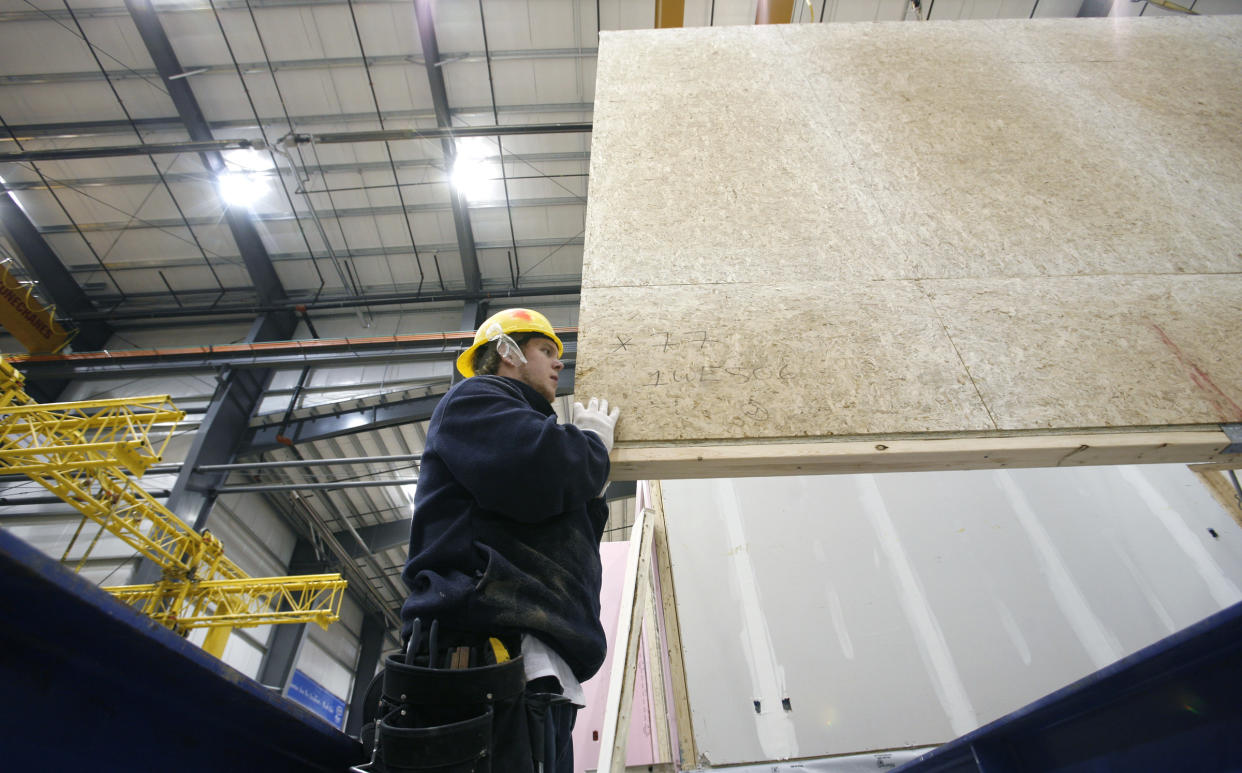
[{"x": 510, "y": 321}]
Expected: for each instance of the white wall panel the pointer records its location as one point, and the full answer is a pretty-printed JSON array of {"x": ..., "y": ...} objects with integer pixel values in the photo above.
[
  {"x": 905, "y": 609},
  {"x": 328, "y": 658}
]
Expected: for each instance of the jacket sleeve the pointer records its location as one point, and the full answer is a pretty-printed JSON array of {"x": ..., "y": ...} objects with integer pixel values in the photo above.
[{"x": 513, "y": 459}]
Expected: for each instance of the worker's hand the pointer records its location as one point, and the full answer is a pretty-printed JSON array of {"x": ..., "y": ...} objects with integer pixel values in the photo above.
[{"x": 596, "y": 418}]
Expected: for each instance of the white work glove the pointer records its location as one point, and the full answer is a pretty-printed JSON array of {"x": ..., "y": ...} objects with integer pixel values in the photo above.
[{"x": 596, "y": 418}]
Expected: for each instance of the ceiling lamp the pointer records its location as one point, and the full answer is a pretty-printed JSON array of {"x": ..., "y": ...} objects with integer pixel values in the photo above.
[
  {"x": 246, "y": 182},
  {"x": 241, "y": 189},
  {"x": 474, "y": 171}
]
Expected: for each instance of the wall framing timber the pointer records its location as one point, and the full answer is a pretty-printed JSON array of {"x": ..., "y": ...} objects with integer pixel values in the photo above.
[{"x": 842, "y": 248}]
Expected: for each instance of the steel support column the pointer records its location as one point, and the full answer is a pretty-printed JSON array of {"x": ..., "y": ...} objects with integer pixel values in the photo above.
[
  {"x": 472, "y": 314},
  {"x": 425, "y": 14},
  {"x": 1095, "y": 8},
  {"x": 370, "y": 644},
  {"x": 224, "y": 426},
  {"x": 220, "y": 435},
  {"x": 282, "y": 655}
]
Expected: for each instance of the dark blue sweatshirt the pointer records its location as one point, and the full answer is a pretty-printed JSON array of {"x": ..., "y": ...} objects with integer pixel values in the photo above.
[{"x": 507, "y": 522}]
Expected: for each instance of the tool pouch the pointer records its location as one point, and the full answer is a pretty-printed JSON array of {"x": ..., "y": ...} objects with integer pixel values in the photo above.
[
  {"x": 459, "y": 747},
  {"x": 539, "y": 725},
  {"x": 448, "y": 721}
]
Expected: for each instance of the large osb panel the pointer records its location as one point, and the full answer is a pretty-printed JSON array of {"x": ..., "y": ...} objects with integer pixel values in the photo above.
[
  {"x": 818, "y": 231},
  {"x": 1056, "y": 352},
  {"x": 795, "y": 360}
]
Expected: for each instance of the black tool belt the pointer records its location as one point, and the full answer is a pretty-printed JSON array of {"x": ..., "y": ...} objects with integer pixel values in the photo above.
[
  {"x": 431, "y": 716},
  {"x": 447, "y": 721}
]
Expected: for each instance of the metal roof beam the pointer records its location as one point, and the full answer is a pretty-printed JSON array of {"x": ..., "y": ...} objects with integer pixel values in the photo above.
[
  {"x": 171, "y": 123},
  {"x": 119, "y": 264},
  {"x": 311, "y": 303},
  {"x": 289, "y": 356},
  {"x": 393, "y": 60},
  {"x": 355, "y": 167},
  {"x": 424, "y": 12},
  {"x": 276, "y": 217},
  {"x": 345, "y": 422},
  {"x": 266, "y": 283},
  {"x": 186, "y": 6},
  {"x": 362, "y": 419},
  {"x": 211, "y": 148},
  {"x": 378, "y": 537},
  {"x": 118, "y": 151}
]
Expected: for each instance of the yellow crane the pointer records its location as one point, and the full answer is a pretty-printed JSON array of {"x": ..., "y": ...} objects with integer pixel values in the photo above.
[{"x": 90, "y": 454}]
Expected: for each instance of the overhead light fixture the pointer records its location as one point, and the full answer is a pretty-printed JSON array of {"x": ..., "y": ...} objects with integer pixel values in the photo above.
[
  {"x": 474, "y": 172},
  {"x": 246, "y": 182},
  {"x": 241, "y": 189}
]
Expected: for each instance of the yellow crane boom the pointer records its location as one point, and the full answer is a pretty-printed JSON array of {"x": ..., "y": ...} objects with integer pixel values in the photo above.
[{"x": 87, "y": 453}]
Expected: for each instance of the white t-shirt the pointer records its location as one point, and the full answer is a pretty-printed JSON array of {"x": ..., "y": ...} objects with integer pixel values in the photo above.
[{"x": 542, "y": 660}]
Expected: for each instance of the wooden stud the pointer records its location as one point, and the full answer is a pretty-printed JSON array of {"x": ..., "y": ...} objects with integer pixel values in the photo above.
[
  {"x": 655, "y": 670},
  {"x": 882, "y": 454},
  {"x": 625, "y": 661},
  {"x": 688, "y": 751}
]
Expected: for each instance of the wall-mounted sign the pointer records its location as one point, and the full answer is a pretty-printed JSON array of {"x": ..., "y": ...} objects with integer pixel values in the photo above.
[{"x": 316, "y": 697}]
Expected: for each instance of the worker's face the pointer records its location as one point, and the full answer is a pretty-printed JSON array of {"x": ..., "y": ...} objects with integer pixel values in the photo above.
[{"x": 542, "y": 369}]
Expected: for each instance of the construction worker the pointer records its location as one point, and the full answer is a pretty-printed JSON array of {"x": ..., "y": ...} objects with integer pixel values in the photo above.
[{"x": 504, "y": 544}]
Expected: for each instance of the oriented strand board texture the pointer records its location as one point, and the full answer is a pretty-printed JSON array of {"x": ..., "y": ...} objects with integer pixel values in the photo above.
[{"x": 960, "y": 227}]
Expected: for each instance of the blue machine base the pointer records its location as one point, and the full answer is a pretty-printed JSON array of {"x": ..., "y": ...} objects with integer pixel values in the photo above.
[
  {"x": 1173, "y": 706},
  {"x": 90, "y": 684}
]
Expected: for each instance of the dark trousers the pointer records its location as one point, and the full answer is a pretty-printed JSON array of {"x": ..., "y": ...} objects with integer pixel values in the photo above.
[
  {"x": 560, "y": 729},
  {"x": 558, "y": 720}
]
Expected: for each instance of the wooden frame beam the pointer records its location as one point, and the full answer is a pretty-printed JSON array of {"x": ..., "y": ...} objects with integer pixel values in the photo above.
[{"x": 904, "y": 454}]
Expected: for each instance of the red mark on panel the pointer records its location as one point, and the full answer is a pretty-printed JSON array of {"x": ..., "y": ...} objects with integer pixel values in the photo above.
[{"x": 1226, "y": 408}]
